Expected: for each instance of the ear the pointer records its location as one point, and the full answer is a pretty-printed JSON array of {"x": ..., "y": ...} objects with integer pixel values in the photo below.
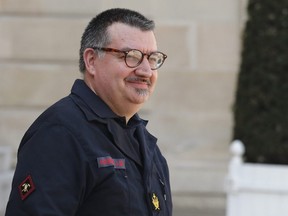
[{"x": 90, "y": 57}]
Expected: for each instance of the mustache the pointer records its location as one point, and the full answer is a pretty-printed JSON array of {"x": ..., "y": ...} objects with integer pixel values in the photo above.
[{"x": 138, "y": 79}]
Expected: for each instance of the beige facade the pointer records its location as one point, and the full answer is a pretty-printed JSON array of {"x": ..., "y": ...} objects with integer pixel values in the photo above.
[{"x": 190, "y": 111}]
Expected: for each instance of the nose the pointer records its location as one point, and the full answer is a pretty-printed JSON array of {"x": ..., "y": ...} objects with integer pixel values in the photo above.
[{"x": 144, "y": 69}]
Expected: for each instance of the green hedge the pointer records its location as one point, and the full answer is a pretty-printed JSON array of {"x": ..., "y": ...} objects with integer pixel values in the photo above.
[{"x": 261, "y": 102}]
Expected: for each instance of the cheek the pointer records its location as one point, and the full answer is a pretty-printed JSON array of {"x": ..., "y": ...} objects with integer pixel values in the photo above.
[
  {"x": 115, "y": 79},
  {"x": 103, "y": 81},
  {"x": 153, "y": 83},
  {"x": 154, "y": 78}
]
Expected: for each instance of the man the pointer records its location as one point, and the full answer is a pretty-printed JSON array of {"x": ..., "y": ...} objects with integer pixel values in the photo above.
[{"x": 90, "y": 153}]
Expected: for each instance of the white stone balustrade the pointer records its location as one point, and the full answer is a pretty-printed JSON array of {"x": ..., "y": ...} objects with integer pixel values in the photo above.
[{"x": 255, "y": 189}]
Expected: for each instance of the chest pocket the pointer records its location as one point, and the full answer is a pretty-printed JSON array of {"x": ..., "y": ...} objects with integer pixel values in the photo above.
[
  {"x": 108, "y": 167},
  {"x": 110, "y": 189}
]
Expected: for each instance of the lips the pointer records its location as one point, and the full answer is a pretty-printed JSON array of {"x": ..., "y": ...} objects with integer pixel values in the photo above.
[{"x": 138, "y": 80}]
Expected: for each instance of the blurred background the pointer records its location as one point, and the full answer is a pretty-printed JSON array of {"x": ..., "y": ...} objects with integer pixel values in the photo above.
[{"x": 191, "y": 110}]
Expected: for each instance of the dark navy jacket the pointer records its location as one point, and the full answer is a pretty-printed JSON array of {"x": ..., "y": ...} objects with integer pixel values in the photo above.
[{"x": 79, "y": 158}]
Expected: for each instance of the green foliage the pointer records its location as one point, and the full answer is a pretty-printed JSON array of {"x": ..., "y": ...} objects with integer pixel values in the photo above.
[{"x": 261, "y": 104}]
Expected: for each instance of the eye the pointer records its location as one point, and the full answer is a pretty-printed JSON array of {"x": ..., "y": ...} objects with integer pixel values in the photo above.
[{"x": 133, "y": 57}]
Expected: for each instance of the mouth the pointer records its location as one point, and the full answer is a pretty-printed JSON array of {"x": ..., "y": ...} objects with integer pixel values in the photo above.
[{"x": 138, "y": 82}]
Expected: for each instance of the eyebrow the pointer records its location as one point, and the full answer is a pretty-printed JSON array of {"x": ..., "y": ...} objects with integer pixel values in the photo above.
[{"x": 130, "y": 48}]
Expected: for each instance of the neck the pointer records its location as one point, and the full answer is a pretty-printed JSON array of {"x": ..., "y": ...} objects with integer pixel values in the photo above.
[{"x": 126, "y": 111}]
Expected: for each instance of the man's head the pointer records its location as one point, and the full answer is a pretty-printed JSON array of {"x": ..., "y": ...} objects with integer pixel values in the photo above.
[
  {"x": 119, "y": 59},
  {"x": 96, "y": 35}
]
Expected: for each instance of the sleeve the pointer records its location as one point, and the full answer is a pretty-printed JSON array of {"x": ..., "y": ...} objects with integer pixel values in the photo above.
[{"x": 50, "y": 175}]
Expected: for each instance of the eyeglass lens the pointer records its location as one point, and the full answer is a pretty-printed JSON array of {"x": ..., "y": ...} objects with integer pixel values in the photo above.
[{"x": 135, "y": 57}]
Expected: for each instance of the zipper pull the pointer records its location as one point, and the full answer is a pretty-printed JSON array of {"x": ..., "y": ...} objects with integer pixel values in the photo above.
[{"x": 164, "y": 191}]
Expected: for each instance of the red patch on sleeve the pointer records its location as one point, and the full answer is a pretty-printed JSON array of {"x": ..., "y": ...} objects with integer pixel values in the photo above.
[{"x": 26, "y": 187}]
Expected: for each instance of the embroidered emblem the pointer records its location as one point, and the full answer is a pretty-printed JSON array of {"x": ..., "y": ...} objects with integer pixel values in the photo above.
[
  {"x": 109, "y": 161},
  {"x": 26, "y": 187},
  {"x": 155, "y": 202}
]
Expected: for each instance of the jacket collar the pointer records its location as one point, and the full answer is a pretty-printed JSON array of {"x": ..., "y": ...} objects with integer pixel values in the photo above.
[
  {"x": 95, "y": 108},
  {"x": 81, "y": 93}
]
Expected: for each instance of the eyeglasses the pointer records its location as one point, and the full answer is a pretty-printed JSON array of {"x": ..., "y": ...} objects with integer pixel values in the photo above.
[{"x": 134, "y": 57}]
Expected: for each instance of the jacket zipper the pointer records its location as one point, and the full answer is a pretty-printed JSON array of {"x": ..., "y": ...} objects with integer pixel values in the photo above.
[{"x": 163, "y": 188}]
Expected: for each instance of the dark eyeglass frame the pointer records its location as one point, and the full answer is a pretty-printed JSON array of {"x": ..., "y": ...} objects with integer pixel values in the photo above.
[{"x": 106, "y": 49}]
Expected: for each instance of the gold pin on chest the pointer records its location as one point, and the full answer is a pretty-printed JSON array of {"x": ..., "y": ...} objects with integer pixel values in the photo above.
[{"x": 155, "y": 202}]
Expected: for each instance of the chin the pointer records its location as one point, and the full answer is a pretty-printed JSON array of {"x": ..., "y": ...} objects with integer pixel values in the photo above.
[
  {"x": 140, "y": 99},
  {"x": 139, "y": 96},
  {"x": 142, "y": 92}
]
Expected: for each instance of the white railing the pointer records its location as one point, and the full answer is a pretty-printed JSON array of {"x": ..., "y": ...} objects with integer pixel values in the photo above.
[
  {"x": 6, "y": 175},
  {"x": 255, "y": 189}
]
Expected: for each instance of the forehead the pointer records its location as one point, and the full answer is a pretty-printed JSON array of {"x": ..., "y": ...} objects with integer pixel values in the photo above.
[{"x": 122, "y": 35}]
